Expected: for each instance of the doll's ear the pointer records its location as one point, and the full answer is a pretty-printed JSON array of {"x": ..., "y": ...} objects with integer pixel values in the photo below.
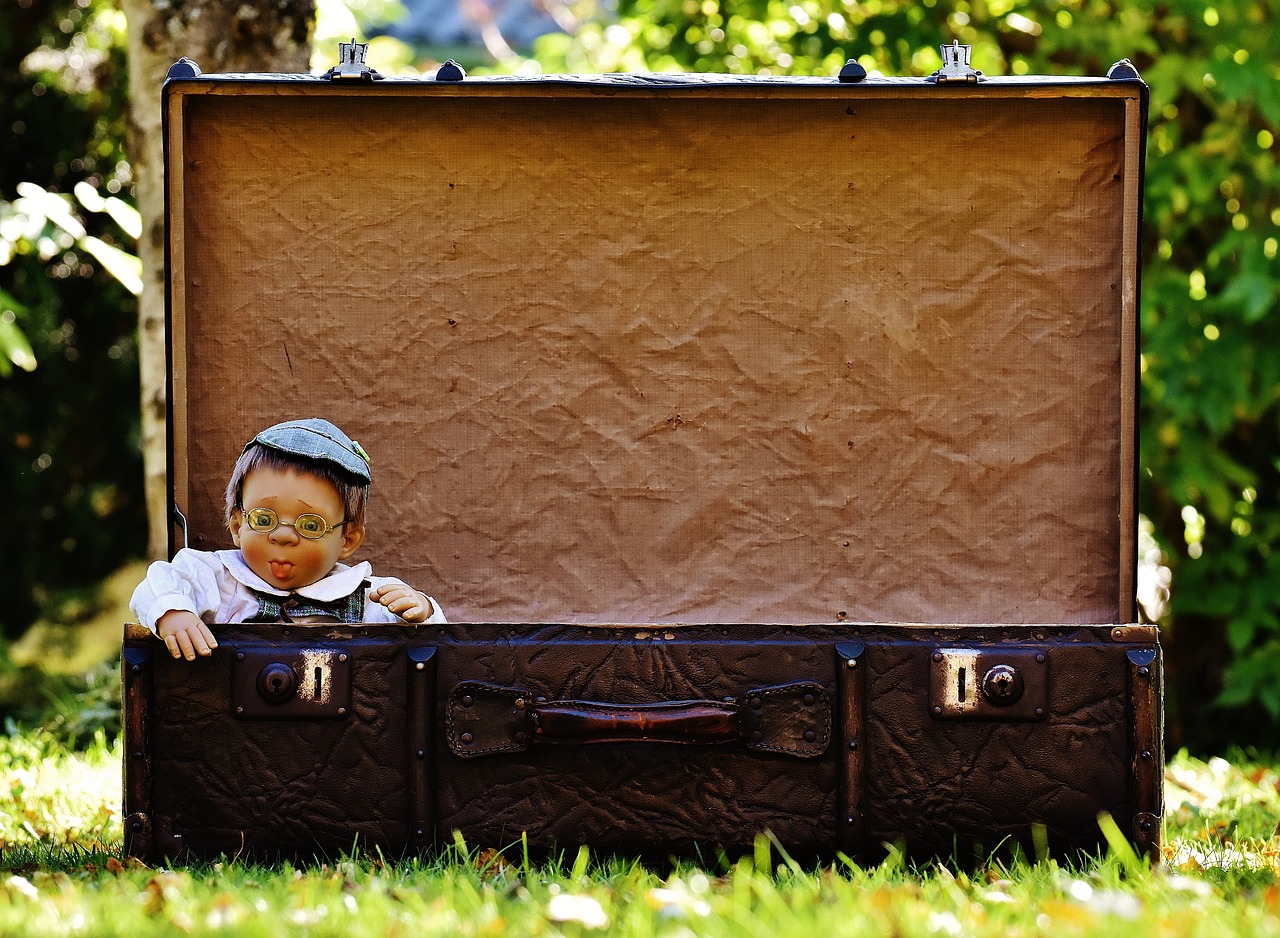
[
  {"x": 352, "y": 538},
  {"x": 237, "y": 519}
]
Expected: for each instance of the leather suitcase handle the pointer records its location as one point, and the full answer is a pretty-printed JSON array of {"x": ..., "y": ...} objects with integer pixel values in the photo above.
[
  {"x": 486, "y": 719},
  {"x": 580, "y": 721}
]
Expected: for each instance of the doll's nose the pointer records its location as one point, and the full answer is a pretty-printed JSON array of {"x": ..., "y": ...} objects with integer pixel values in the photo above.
[{"x": 283, "y": 534}]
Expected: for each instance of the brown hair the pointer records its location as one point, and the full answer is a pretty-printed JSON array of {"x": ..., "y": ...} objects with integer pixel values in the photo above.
[{"x": 353, "y": 491}]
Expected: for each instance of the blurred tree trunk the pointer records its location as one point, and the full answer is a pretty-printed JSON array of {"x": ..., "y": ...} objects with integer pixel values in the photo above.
[{"x": 219, "y": 36}]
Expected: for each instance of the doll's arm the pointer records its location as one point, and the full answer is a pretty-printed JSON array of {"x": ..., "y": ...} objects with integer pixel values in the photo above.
[
  {"x": 185, "y": 634},
  {"x": 406, "y": 602},
  {"x": 172, "y": 600}
]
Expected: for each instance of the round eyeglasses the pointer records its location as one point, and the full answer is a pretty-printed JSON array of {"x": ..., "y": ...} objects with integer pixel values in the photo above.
[{"x": 312, "y": 527}]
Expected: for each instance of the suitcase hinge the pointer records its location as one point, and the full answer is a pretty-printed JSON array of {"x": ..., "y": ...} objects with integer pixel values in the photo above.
[
  {"x": 351, "y": 65},
  {"x": 955, "y": 66}
]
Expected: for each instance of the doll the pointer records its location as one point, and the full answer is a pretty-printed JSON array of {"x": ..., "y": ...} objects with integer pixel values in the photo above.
[{"x": 295, "y": 506}]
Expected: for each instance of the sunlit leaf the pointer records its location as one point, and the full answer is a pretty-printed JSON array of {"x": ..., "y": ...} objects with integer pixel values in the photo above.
[
  {"x": 15, "y": 350},
  {"x": 123, "y": 266}
]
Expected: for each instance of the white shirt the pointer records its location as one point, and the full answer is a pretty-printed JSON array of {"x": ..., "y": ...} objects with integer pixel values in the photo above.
[{"x": 218, "y": 586}]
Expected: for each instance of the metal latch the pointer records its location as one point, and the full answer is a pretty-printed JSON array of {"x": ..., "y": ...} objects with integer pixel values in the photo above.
[
  {"x": 290, "y": 683},
  {"x": 1006, "y": 684},
  {"x": 955, "y": 65},
  {"x": 351, "y": 65}
]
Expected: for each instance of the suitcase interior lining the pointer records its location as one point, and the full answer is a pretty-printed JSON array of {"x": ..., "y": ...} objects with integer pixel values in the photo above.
[{"x": 664, "y": 358}]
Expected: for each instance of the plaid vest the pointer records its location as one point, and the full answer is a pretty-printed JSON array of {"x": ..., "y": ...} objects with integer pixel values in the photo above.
[{"x": 295, "y": 608}]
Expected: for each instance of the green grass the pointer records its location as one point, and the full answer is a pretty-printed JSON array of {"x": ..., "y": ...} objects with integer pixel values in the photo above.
[{"x": 62, "y": 873}]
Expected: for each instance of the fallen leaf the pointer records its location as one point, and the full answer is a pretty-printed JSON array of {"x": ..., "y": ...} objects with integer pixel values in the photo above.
[{"x": 584, "y": 910}]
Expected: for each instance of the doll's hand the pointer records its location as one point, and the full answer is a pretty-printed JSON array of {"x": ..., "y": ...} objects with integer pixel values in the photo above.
[
  {"x": 404, "y": 601},
  {"x": 185, "y": 635}
]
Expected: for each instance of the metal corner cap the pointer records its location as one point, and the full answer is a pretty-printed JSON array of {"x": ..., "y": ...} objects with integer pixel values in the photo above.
[
  {"x": 183, "y": 68},
  {"x": 1124, "y": 70}
]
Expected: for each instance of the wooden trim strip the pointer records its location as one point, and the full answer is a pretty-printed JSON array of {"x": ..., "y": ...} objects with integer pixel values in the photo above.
[
  {"x": 135, "y": 675},
  {"x": 1134, "y": 128},
  {"x": 1146, "y": 689},
  {"x": 851, "y": 679},
  {"x": 421, "y": 701}
]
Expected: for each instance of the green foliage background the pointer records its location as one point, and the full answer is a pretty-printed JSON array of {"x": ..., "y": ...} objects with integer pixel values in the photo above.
[
  {"x": 1210, "y": 419},
  {"x": 70, "y": 469}
]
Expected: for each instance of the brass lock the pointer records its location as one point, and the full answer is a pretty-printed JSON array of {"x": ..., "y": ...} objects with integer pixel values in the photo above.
[
  {"x": 271, "y": 682},
  {"x": 993, "y": 682},
  {"x": 277, "y": 682},
  {"x": 1002, "y": 685}
]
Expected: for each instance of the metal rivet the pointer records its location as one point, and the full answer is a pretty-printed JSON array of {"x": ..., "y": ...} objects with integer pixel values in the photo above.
[
  {"x": 240, "y": 656},
  {"x": 808, "y": 700},
  {"x": 420, "y": 666},
  {"x": 468, "y": 738},
  {"x": 810, "y": 736},
  {"x": 520, "y": 736},
  {"x": 421, "y": 753},
  {"x": 1146, "y": 753},
  {"x": 1039, "y": 711},
  {"x": 1040, "y": 657},
  {"x": 137, "y": 826},
  {"x": 852, "y": 662},
  {"x": 137, "y": 669},
  {"x": 937, "y": 710},
  {"x": 421, "y": 832},
  {"x": 756, "y": 703},
  {"x": 467, "y": 700},
  {"x": 937, "y": 656},
  {"x": 520, "y": 703},
  {"x": 1145, "y": 825},
  {"x": 342, "y": 711},
  {"x": 137, "y": 754},
  {"x": 851, "y": 820},
  {"x": 342, "y": 657},
  {"x": 239, "y": 709},
  {"x": 757, "y": 736},
  {"x": 853, "y": 745},
  {"x": 1144, "y": 671}
]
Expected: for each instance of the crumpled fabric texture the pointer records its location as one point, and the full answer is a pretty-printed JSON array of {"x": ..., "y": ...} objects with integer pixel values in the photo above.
[{"x": 782, "y": 356}]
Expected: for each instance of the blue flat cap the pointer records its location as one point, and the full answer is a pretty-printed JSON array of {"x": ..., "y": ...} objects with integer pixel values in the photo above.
[{"x": 316, "y": 439}]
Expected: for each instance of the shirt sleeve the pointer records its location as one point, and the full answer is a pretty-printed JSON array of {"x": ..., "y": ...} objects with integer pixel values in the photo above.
[
  {"x": 188, "y": 582},
  {"x": 376, "y": 612}
]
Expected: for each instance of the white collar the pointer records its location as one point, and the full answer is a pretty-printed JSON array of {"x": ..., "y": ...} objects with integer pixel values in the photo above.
[{"x": 342, "y": 580}]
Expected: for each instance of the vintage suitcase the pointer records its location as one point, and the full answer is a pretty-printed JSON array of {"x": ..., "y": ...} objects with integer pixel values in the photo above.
[{"x": 770, "y": 444}]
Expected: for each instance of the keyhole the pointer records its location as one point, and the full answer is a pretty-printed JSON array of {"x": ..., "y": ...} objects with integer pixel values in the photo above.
[
  {"x": 1002, "y": 685},
  {"x": 961, "y": 688},
  {"x": 277, "y": 682},
  {"x": 319, "y": 683}
]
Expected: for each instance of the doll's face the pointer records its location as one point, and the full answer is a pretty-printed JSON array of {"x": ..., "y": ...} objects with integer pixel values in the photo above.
[{"x": 281, "y": 556}]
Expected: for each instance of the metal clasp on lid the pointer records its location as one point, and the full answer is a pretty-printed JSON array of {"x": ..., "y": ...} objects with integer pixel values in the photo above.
[
  {"x": 955, "y": 65},
  {"x": 351, "y": 64}
]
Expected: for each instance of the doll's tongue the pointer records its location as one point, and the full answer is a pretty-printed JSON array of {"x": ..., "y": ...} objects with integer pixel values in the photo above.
[{"x": 281, "y": 569}]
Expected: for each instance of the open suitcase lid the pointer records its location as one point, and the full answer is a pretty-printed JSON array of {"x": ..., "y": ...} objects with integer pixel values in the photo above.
[{"x": 675, "y": 349}]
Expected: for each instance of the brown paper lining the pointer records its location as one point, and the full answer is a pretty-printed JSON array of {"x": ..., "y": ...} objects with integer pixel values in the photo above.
[{"x": 677, "y": 358}]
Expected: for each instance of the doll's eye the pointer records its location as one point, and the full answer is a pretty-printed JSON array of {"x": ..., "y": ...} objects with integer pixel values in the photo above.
[
  {"x": 311, "y": 526},
  {"x": 261, "y": 520}
]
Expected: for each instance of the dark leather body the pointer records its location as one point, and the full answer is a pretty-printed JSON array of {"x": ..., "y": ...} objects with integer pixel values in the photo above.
[{"x": 649, "y": 741}]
